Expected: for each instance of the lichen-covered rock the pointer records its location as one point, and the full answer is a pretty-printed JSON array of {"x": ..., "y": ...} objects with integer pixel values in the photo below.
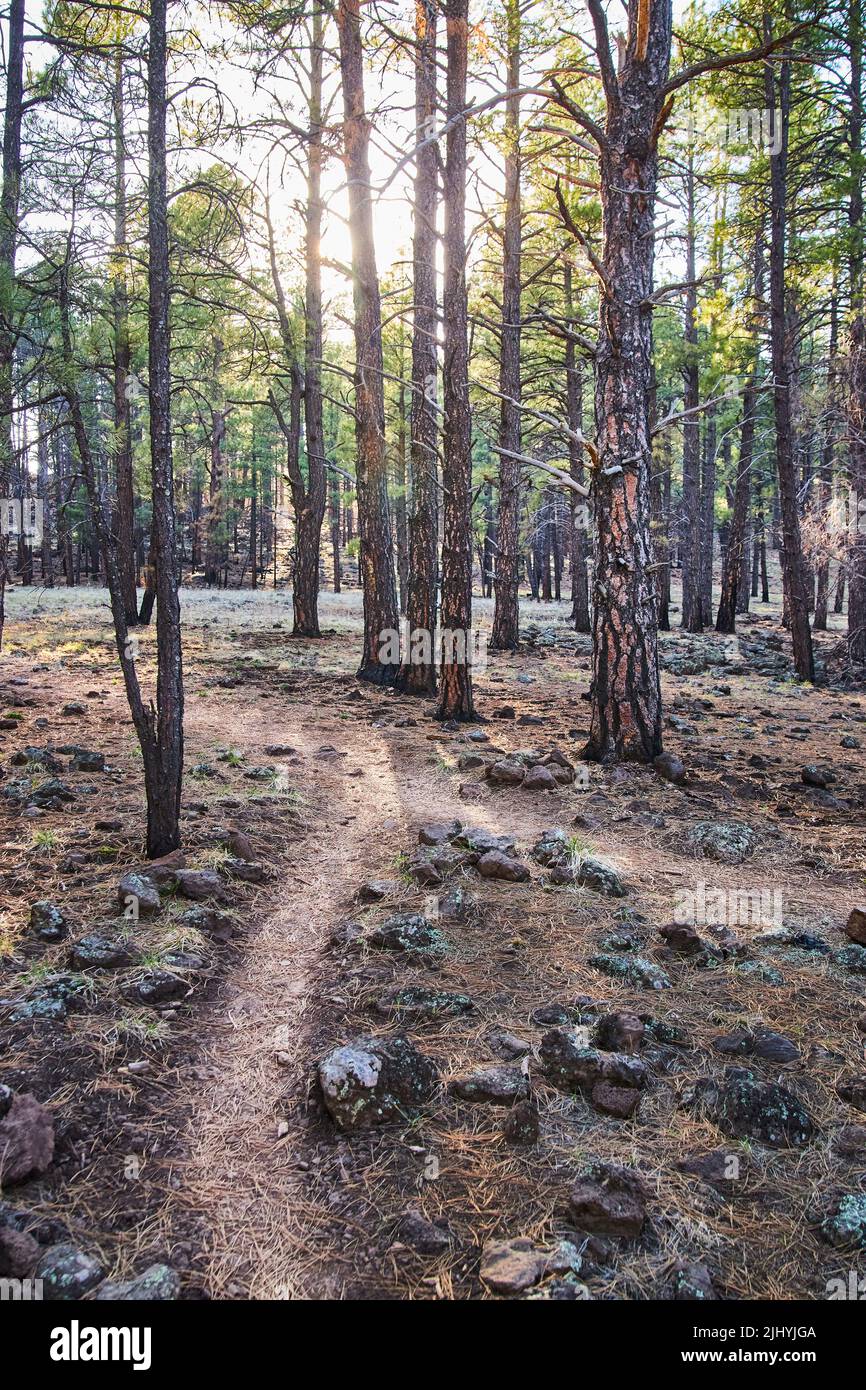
[
  {"x": 157, "y": 1284},
  {"x": 845, "y": 1226},
  {"x": 457, "y": 907},
  {"x": 98, "y": 952},
  {"x": 634, "y": 970},
  {"x": 26, "y": 1137},
  {"x": 550, "y": 847},
  {"x": 510, "y": 1266},
  {"x": 745, "y": 1108},
  {"x": 408, "y": 931},
  {"x": 47, "y": 922},
  {"x": 477, "y": 841},
  {"x": 729, "y": 842},
  {"x": 571, "y": 1066},
  {"x": 415, "y": 1001},
  {"x": 68, "y": 1273},
  {"x": 158, "y": 987},
  {"x": 590, "y": 873},
  {"x": 52, "y": 1000},
  {"x": 371, "y": 1081},
  {"x": 609, "y": 1201},
  {"x": 852, "y": 958},
  {"x": 693, "y": 1283},
  {"x": 139, "y": 892},
  {"x": 495, "y": 1085},
  {"x": 521, "y": 1123}
]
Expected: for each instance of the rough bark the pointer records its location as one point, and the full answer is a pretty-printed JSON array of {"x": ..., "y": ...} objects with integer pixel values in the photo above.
[
  {"x": 574, "y": 415},
  {"x": 374, "y": 520},
  {"x": 10, "y": 195},
  {"x": 692, "y": 614},
  {"x": 506, "y": 622},
  {"x": 778, "y": 101},
  {"x": 418, "y": 676},
  {"x": 124, "y": 488},
  {"x": 626, "y": 721},
  {"x": 455, "y": 676}
]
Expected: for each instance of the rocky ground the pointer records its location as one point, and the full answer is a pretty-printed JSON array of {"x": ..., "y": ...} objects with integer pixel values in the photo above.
[{"x": 430, "y": 1012}]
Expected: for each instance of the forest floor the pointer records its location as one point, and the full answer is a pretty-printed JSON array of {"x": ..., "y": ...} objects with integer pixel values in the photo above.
[{"x": 189, "y": 1120}]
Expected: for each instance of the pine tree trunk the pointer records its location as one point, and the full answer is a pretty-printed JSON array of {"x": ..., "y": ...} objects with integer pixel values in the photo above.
[
  {"x": 9, "y": 204},
  {"x": 574, "y": 415},
  {"x": 692, "y": 613},
  {"x": 125, "y": 527},
  {"x": 163, "y": 762},
  {"x": 792, "y": 559},
  {"x": 455, "y": 676},
  {"x": 506, "y": 620},
  {"x": 374, "y": 519},
  {"x": 626, "y": 699},
  {"x": 417, "y": 674}
]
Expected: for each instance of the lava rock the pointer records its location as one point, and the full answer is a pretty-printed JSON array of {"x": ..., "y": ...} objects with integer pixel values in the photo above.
[
  {"x": 414, "y": 1001},
  {"x": 18, "y": 1253},
  {"x": 619, "y": 1032},
  {"x": 495, "y": 864},
  {"x": 408, "y": 931},
  {"x": 511, "y": 1266},
  {"x": 423, "y": 1236},
  {"x": 600, "y": 877},
  {"x": 719, "y": 1168},
  {"x": 68, "y": 1273},
  {"x": 47, "y": 922},
  {"x": 26, "y": 1138},
  {"x": 199, "y": 884},
  {"x": 693, "y": 1283},
  {"x": 571, "y": 1066},
  {"x": 494, "y": 1085},
  {"x": 845, "y": 1226},
  {"x": 609, "y": 1201},
  {"x": 157, "y": 1284},
  {"x": 852, "y": 958},
  {"x": 521, "y": 1123},
  {"x": 634, "y": 970},
  {"x": 814, "y": 776},
  {"x": 506, "y": 772},
  {"x": 98, "y": 952},
  {"x": 372, "y": 1081},
  {"x": 744, "y": 1107},
  {"x": 669, "y": 766},
  {"x": 851, "y": 1141},
  {"x": 142, "y": 889},
  {"x": 540, "y": 779},
  {"x": 375, "y": 889},
  {"x": 158, "y": 987},
  {"x": 855, "y": 927},
  {"x": 853, "y": 1092},
  {"x": 729, "y": 842}
]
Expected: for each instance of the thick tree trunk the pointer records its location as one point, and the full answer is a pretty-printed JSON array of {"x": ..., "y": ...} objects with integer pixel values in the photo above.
[
  {"x": 163, "y": 759},
  {"x": 417, "y": 674},
  {"x": 708, "y": 517},
  {"x": 455, "y": 680},
  {"x": 856, "y": 560},
  {"x": 792, "y": 560},
  {"x": 506, "y": 621},
  {"x": 376, "y": 550},
  {"x": 310, "y": 515},
  {"x": 626, "y": 700}
]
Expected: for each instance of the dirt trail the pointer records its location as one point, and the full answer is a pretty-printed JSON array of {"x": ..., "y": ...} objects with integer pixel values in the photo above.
[{"x": 247, "y": 1131}]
